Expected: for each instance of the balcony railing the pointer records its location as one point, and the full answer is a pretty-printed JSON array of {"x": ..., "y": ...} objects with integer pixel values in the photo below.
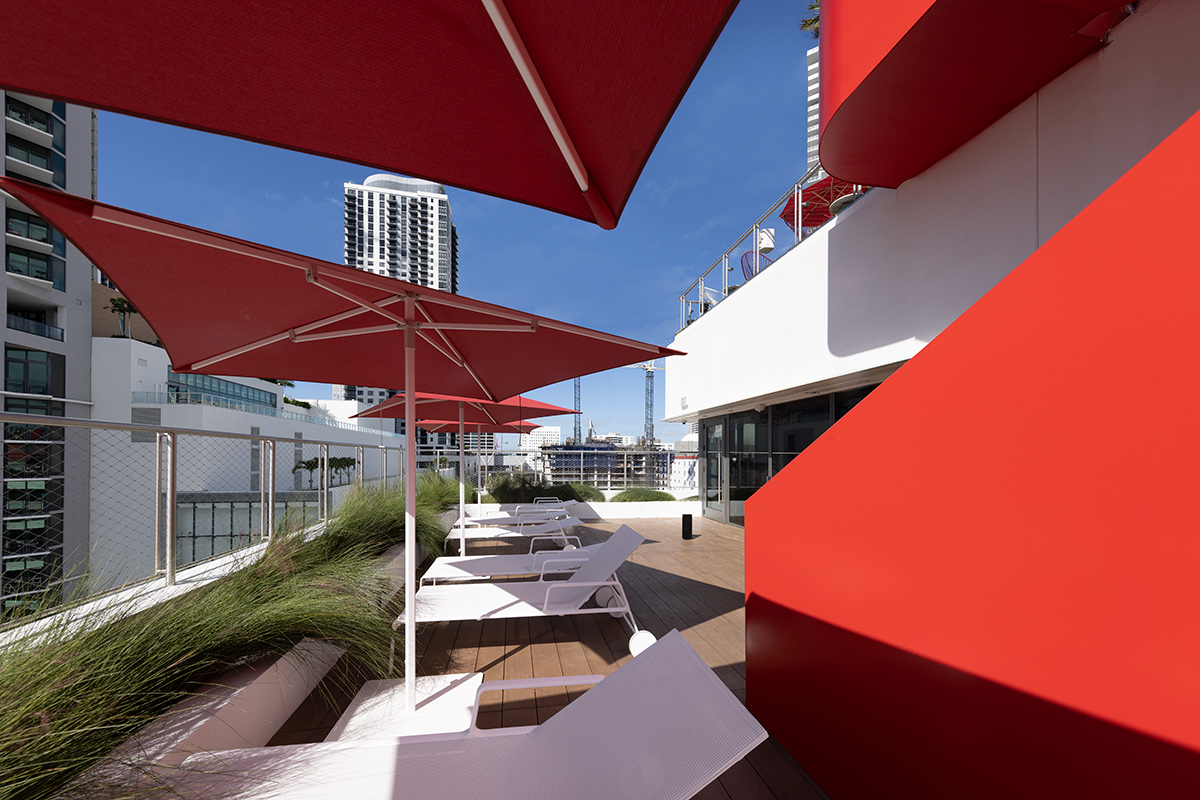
[
  {"x": 36, "y": 328},
  {"x": 774, "y": 233},
  {"x": 217, "y": 401}
]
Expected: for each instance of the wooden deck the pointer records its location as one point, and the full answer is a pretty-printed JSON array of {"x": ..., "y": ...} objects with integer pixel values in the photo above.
[{"x": 696, "y": 586}]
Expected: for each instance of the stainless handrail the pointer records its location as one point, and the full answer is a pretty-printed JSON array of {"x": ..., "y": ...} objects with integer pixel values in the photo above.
[{"x": 711, "y": 293}]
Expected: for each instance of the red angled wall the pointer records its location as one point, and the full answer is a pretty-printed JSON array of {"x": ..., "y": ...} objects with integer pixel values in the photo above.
[{"x": 982, "y": 583}]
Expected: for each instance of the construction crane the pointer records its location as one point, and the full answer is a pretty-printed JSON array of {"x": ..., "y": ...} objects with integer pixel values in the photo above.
[
  {"x": 649, "y": 367},
  {"x": 578, "y": 440}
]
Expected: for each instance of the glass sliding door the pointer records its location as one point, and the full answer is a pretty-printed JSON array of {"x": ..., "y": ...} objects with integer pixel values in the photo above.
[
  {"x": 712, "y": 491},
  {"x": 749, "y": 460}
]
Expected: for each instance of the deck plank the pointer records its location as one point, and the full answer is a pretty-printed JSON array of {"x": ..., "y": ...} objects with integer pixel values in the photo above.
[{"x": 695, "y": 585}]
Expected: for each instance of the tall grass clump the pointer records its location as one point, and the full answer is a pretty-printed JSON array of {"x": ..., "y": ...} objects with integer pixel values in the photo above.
[
  {"x": 71, "y": 694},
  {"x": 641, "y": 495},
  {"x": 372, "y": 519},
  {"x": 439, "y": 492}
]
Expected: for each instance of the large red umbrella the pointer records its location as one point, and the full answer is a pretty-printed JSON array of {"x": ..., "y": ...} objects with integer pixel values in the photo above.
[
  {"x": 553, "y": 104},
  {"x": 224, "y": 305}
]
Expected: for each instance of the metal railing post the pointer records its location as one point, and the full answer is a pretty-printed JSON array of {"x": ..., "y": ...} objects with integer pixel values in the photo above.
[
  {"x": 755, "y": 243},
  {"x": 271, "y": 492},
  {"x": 172, "y": 486},
  {"x": 323, "y": 499},
  {"x": 360, "y": 462},
  {"x": 797, "y": 213},
  {"x": 159, "y": 522}
]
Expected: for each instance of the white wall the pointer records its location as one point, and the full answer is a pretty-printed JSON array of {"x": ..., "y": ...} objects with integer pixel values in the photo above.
[{"x": 889, "y": 274}]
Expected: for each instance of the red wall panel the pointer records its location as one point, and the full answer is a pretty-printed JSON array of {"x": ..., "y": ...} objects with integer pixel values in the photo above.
[{"x": 1016, "y": 505}]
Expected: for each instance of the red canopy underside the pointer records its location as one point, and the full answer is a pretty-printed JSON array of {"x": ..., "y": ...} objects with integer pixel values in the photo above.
[
  {"x": 815, "y": 199},
  {"x": 426, "y": 89},
  {"x": 206, "y": 294},
  {"x": 439, "y": 407},
  {"x": 448, "y": 426}
]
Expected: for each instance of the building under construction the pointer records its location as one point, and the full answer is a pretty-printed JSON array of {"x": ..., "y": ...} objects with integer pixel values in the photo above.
[{"x": 605, "y": 466}]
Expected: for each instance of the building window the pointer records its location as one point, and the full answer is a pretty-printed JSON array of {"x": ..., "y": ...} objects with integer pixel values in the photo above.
[
  {"x": 30, "y": 226},
  {"x": 41, "y": 266},
  {"x": 34, "y": 372},
  {"x": 28, "y": 152},
  {"x": 184, "y": 386},
  {"x": 739, "y": 453}
]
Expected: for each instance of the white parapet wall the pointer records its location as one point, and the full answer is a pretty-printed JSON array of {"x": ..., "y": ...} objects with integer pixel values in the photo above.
[{"x": 591, "y": 512}]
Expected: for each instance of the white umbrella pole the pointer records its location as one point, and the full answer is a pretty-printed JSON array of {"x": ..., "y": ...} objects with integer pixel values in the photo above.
[
  {"x": 462, "y": 483},
  {"x": 410, "y": 513}
]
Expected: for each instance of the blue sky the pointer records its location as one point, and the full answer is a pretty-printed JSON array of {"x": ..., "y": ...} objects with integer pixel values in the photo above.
[{"x": 735, "y": 144}]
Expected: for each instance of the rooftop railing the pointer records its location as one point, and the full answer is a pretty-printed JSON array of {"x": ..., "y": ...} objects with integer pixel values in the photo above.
[
  {"x": 90, "y": 506},
  {"x": 774, "y": 234}
]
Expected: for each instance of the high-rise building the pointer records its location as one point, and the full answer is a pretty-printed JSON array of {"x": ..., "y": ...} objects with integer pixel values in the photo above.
[
  {"x": 814, "y": 107},
  {"x": 47, "y": 352},
  {"x": 402, "y": 228}
]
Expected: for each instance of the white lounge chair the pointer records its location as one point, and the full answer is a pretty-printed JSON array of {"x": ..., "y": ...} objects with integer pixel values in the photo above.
[
  {"x": 541, "y": 598},
  {"x": 522, "y": 515},
  {"x": 551, "y": 530},
  {"x": 662, "y": 726},
  {"x": 543, "y": 562}
]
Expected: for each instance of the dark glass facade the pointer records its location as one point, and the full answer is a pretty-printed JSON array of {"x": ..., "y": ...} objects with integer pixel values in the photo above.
[{"x": 740, "y": 452}]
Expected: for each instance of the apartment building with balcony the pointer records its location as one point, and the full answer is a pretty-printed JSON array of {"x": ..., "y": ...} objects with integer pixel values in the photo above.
[
  {"x": 403, "y": 228},
  {"x": 47, "y": 348}
]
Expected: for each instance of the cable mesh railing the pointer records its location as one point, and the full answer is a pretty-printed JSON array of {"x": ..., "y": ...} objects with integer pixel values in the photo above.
[{"x": 90, "y": 507}]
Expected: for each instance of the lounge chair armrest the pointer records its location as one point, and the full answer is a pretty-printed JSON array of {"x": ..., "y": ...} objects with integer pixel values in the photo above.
[
  {"x": 528, "y": 683},
  {"x": 557, "y": 537},
  {"x": 576, "y": 561},
  {"x": 552, "y": 585}
]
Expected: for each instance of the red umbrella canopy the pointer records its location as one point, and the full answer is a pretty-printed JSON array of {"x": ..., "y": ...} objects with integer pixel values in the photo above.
[
  {"x": 439, "y": 406},
  {"x": 451, "y": 426},
  {"x": 553, "y": 104},
  {"x": 814, "y": 200},
  {"x": 225, "y": 306}
]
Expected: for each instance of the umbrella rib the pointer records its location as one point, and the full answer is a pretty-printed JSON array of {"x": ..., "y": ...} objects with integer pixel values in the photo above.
[
  {"x": 541, "y": 97},
  {"x": 457, "y": 356},
  {"x": 290, "y": 333}
]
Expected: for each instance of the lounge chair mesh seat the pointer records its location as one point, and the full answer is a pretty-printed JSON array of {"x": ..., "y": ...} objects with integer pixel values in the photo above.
[
  {"x": 661, "y": 727},
  {"x": 529, "y": 598}
]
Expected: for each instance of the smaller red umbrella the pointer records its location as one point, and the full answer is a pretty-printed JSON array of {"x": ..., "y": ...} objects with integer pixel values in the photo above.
[
  {"x": 815, "y": 200},
  {"x": 439, "y": 425},
  {"x": 443, "y": 406}
]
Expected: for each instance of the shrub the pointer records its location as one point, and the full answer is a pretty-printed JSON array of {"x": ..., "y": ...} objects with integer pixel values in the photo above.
[
  {"x": 588, "y": 493},
  {"x": 524, "y": 487},
  {"x": 640, "y": 495}
]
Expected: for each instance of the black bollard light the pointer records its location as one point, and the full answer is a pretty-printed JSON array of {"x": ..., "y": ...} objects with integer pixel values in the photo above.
[{"x": 687, "y": 526}]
